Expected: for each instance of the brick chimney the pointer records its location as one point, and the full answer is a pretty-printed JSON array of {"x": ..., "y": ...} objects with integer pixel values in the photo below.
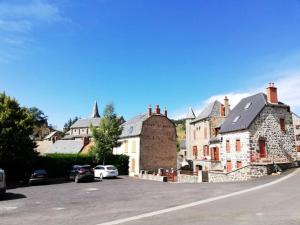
[
  {"x": 226, "y": 106},
  {"x": 272, "y": 94},
  {"x": 150, "y": 111},
  {"x": 166, "y": 112},
  {"x": 157, "y": 110}
]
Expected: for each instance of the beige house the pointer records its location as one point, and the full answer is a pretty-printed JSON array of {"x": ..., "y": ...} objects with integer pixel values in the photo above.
[
  {"x": 296, "y": 122},
  {"x": 202, "y": 132},
  {"x": 150, "y": 142}
]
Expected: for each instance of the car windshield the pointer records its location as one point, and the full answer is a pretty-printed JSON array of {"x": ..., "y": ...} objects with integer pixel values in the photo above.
[
  {"x": 111, "y": 168},
  {"x": 40, "y": 172}
]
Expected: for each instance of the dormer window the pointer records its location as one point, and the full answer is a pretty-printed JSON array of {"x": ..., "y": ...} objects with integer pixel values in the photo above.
[
  {"x": 248, "y": 105},
  {"x": 236, "y": 119}
]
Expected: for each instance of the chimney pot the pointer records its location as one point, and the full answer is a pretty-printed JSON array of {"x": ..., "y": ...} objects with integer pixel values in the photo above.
[
  {"x": 166, "y": 112},
  {"x": 157, "y": 109},
  {"x": 272, "y": 94},
  {"x": 150, "y": 111}
]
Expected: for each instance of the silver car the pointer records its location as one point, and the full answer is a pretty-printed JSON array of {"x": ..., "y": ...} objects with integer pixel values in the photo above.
[{"x": 2, "y": 182}]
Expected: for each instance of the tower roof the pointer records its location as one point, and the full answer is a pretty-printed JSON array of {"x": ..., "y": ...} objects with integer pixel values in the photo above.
[
  {"x": 191, "y": 114},
  {"x": 95, "y": 112}
]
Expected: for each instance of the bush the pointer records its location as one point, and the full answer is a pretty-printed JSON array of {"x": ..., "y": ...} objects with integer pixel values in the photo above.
[{"x": 58, "y": 165}]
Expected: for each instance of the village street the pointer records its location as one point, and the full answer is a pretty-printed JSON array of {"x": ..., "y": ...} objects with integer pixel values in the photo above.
[{"x": 117, "y": 199}]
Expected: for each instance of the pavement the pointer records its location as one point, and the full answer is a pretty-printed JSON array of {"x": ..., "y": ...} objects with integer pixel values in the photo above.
[{"x": 118, "y": 199}]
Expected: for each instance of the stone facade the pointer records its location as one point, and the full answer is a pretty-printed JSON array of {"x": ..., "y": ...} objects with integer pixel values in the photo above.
[{"x": 296, "y": 122}]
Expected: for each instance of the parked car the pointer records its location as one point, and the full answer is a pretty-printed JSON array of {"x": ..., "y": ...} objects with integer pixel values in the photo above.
[
  {"x": 105, "y": 171},
  {"x": 2, "y": 182},
  {"x": 80, "y": 173},
  {"x": 39, "y": 176}
]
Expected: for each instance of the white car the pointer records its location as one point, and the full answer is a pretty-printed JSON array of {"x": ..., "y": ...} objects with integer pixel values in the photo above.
[
  {"x": 2, "y": 182},
  {"x": 105, "y": 171}
]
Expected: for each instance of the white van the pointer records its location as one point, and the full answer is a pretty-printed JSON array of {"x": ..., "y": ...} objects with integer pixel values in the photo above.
[{"x": 2, "y": 182}]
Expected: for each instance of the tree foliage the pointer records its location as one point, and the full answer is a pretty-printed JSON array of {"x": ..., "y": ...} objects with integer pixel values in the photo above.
[
  {"x": 41, "y": 127},
  {"x": 16, "y": 127},
  {"x": 106, "y": 135},
  {"x": 69, "y": 123}
]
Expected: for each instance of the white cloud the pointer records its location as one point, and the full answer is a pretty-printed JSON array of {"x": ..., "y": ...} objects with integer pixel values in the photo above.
[{"x": 288, "y": 84}]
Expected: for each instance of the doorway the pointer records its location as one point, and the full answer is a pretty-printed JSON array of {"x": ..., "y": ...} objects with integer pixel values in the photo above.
[{"x": 262, "y": 148}]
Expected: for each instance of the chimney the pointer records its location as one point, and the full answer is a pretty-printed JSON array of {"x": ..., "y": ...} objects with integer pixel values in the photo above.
[
  {"x": 150, "y": 111},
  {"x": 226, "y": 106},
  {"x": 166, "y": 112},
  {"x": 157, "y": 110},
  {"x": 272, "y": 94}
]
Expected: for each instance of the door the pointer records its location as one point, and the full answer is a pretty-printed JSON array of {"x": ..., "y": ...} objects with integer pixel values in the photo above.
[
  {"x": 217, "y": 154},
  {"x": 228, "y": 166},
  {"x": 262, "y": 149}
]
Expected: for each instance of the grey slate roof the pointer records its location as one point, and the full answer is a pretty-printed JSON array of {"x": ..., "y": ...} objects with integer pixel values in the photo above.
[
  {"x": 50, "y": 135},
  {"x": 247, "y": 116},
  {"x": 85, "y": 123},
  {"x": 134, "y": 126},
  {"x": 213, "y": 109},
  {"x": 191, "y": 114},
  {"x": 66, "y": 146},
  {"x": 183, "y": 144}
]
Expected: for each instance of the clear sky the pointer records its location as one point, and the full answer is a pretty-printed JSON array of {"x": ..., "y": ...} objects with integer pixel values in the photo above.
[{"x": 62, "y": 55}]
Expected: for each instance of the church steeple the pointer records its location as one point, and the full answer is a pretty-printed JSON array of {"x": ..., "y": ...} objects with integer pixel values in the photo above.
[{"x": 95, "y": 112}]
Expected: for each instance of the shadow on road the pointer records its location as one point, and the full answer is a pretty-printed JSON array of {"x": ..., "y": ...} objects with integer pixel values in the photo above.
[{"x": 12, "y": 196}]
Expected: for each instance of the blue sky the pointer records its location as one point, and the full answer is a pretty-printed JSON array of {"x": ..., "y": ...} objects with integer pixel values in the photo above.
[{"x": 63, "y": 55}]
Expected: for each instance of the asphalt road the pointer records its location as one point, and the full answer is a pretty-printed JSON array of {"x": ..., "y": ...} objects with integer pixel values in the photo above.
[{"x": 110, "y": 200}]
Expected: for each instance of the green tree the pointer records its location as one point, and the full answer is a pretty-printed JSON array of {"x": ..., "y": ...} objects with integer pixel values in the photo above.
[
  {"x": 106, "y": 135},
  {"x": 16, "y": 127},
  {"x": 41, "y": 127},
  {"x": 69, "y": 123}
]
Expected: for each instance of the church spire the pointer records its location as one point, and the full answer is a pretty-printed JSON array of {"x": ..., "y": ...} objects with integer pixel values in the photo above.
[
  {"x": 95, "y": 112},
  {"x": 191, "y": 114}
]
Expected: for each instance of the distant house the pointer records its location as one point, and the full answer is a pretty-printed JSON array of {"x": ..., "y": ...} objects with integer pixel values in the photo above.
[
  {"x": 44, "y": 145},
  {"x": 150, "y": 142},
  {"x": 202, "y": 133},
  {"x": 296, "y": 122},
  {"x": 258, "y": 131}
]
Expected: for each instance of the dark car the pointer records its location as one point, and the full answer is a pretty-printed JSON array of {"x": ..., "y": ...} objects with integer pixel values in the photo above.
[
  {"x": 39, "y": 176},
  {"x": 81, "y": 173}
]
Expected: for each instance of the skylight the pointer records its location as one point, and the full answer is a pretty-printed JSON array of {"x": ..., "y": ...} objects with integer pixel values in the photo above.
[
  {"x": 248, "y": 105},
  {"x": 236, "y": 119}
]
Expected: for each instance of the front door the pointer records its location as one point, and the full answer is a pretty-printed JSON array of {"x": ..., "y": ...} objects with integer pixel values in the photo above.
[
  {"x": 262, "y": 149},
  {"x": 217, "y": 154}
]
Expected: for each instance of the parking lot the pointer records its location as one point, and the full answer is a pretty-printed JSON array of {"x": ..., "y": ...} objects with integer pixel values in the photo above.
[{"x": 99, "y": 202}]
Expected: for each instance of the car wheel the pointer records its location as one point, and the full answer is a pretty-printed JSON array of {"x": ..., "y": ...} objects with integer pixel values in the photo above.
[
  {"x": 76, "y": 179},
  {"x": 101, "y": 177}
]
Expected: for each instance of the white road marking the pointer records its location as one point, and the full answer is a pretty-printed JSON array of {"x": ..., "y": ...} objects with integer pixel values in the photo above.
[
  {"x": 10, "y": 207},
  {"x": 58, "y": 209},
  {"x": 193, "y": 204},
  {"x": 92, "y": 189}
]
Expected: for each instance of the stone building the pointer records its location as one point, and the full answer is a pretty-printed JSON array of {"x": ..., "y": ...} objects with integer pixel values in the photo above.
[
  {"x": 258, "y": 131},
  {"x": 150, "y": 142},
  {"x": 203, "y": 130},
  {"x": 296, "y": 122}
]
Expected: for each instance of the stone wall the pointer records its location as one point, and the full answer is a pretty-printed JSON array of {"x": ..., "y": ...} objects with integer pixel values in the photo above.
[
  {"x": 158, "y": 144},
  {"x": 280, "y": 145},
  {"x": 153, "y": 177}
]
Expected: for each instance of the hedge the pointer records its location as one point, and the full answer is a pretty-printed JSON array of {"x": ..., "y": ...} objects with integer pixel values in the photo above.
[{"x": 58, "y": 165}]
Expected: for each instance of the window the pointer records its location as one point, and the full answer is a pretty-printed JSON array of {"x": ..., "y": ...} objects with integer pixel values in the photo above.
[
  {"x": 130, "y": 130},
  {"x": 282, "y": 124},
  {"x": 297, "y": 127},
  {"x": 248, "y": 105},
  {"x": 228, "y": 166},
  {"x": 126, "y": 146},
  {"x": 298, "y": 148},
  {"x": 236, "y": 119},
  {"x": 238, "y": 164},
  {"x": 298, "y": 137},
  {"x": 133, "y": 146},
  {"x": 227, "y": 146},
  {"x": 195, "y": 151},
  {"x": 238, "y": 145},
  {"x": 205, "y": 150}
]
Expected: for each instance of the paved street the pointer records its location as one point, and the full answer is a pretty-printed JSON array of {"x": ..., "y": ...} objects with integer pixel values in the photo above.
[{"x": 100, "y": 202}]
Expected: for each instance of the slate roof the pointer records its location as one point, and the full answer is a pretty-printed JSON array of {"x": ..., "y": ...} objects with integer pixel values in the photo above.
[
  {"x": 50, "y": 135},
  {"x": 85, "y": 123},
  {"x": 241, "y": 118},
  {"x": 209, "y": 111},
  {"x": 183, "y": 144},
  {"x": 134, "y": 126},
  {"x": 191, "y": 114},
  {"x": 95, "y": 112},
  {"x": 66, "y": 146}
]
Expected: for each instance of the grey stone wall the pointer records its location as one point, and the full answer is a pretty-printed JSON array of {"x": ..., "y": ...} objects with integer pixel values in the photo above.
[{"x": 280, "y": 144}]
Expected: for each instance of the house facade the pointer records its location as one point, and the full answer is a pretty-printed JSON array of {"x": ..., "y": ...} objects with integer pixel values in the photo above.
[
  {"x": 202, "y": 133},
  {"x": 296, "y": 122},
  {"x": 150, "y": 142},
  {"x": 258, "y": 131}
]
